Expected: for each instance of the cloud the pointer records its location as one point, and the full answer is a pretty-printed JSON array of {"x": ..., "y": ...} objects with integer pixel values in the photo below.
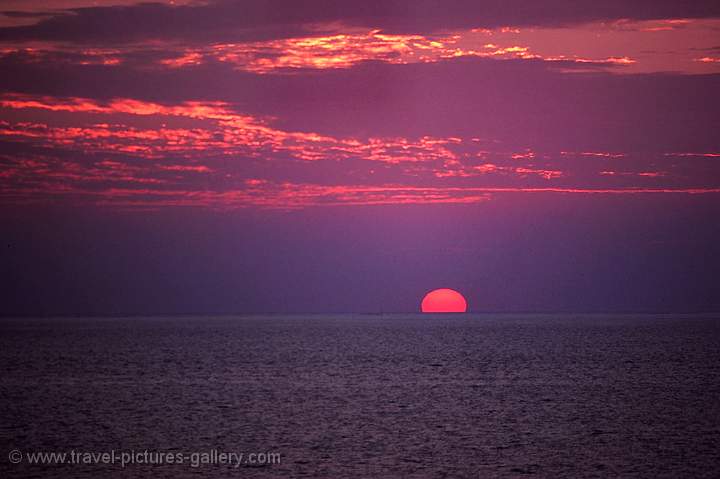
[
  {"x": 238, "y": 104},
  {"x": 128, "y": 152},
  {"x": 254, "y": 20},
  {"x": 295, "y": 55},
  {"x": 521, "y": 103},
  {"x": 619, "y": 46},
  {"x": 346, "y": 50}
]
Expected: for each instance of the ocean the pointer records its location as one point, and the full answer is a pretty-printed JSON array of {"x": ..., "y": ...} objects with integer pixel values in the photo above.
[{"x": 354, "y": 396}]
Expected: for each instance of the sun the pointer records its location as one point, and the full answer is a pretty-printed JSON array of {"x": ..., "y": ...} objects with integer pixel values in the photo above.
[{"x": 443, "y": 300}]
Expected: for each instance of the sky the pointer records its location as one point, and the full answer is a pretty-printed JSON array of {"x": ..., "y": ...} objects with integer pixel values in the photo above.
[{"x": 190, "y": 157}]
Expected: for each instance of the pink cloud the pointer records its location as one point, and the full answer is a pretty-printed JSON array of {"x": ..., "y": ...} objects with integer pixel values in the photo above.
[{"x": 123, "y": 152}]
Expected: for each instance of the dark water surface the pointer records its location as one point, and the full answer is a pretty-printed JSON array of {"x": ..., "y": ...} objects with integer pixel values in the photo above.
[{"x": 368, "y": 396}]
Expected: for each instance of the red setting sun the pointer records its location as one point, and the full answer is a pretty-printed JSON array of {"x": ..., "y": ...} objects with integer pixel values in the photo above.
[{"x": 443, "y": 301}]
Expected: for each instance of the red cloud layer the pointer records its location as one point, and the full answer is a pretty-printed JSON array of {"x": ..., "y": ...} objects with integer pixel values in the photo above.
[
  {"x": 128, "y": 152},
  {"x": 636, "y": 46}
]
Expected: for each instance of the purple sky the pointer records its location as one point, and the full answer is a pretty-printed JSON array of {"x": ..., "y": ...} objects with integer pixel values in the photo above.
[{"x": 281, "y": 156}]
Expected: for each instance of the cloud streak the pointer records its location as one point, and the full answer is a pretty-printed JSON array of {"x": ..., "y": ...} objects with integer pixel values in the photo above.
[
  {"x": 126, "y": 152},
  {"x": 224, "y": 21},
  {"x": 619, "y": 46}
]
